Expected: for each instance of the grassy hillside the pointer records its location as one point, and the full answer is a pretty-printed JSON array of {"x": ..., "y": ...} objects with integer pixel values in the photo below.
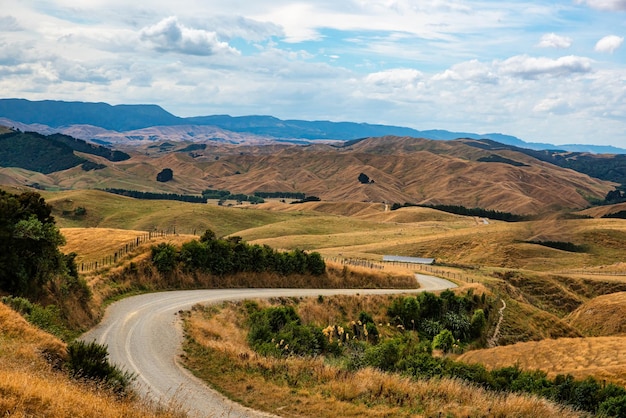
[
  {"x": 32, "y": 384},
  {"x": 401, "y": 169},
  {"x": 218, "y": 351},
  {"x": 601, "y": 316},
  {"x": 601, "y": 357},
  {"x": 550, "y": 293}
]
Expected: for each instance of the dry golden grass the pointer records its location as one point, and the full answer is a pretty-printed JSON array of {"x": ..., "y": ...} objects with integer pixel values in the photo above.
[
  {"x": 216, "y": 350},
  {"x": 92, "y": 244},
  {"x": 362, "y": 230},
  {"x": 601, "y": 316},
  {"x": 601, "y": 357},
  {"x": 31, "y": 384}
]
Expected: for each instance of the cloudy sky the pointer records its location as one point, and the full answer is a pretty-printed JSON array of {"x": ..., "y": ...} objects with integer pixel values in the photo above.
[{"x": 543, "y": 71}]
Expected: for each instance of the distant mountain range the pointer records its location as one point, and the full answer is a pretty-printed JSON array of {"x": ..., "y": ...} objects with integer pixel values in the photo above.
[{"x": 121, "y": 118}]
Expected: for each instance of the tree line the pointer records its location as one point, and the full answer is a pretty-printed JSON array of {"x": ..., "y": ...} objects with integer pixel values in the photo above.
[
  {"x": 156, "y": 196},
  {"x": 462, "y": 210},
  {"x": 223, "y": 256}
]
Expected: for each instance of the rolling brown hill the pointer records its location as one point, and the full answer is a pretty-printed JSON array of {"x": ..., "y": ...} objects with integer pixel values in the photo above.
[
  {"x": 400, "y": 169},
  {"x": 601, "y": 316}
]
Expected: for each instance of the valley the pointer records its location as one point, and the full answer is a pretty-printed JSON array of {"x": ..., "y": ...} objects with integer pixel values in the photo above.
[{"x": 559, "y": 272}]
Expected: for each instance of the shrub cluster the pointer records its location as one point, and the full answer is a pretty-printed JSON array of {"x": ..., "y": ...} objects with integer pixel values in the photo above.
[
  {"x": 445, "y": 319},
  {"x": 90, "y": 361},
  {"x": 233, "y": 255},
  {"x": 279, "y": 332}
]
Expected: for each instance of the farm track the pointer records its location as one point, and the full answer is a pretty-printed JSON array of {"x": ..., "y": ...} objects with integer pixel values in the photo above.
[{"x": 144, "y": 336}]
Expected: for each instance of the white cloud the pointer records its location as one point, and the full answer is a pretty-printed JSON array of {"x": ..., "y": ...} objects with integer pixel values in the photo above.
[
  {"x": 473, "y": 70},
  {"x": 609, "y": 44},
  {"x": 552, "y": 40},
  {"x": 396, "y": 78},
  {"x": 171, "y": 36},
  {"x": 528, "y": 67},
  {"x": 614, "y": 5}
]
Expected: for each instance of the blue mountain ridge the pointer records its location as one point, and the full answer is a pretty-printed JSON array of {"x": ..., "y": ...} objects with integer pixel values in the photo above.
[{"x": 129, "y": 117}]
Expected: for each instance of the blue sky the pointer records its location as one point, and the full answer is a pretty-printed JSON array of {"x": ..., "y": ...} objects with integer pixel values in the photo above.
[{"x": 543, "y": 71}]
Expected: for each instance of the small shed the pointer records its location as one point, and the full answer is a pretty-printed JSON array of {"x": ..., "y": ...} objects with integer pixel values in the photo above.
[{"x": 414, "y": 260}]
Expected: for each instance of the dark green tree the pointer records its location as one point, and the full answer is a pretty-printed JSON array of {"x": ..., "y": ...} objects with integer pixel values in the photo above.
[
  {"x": 29, "y": 244},
  {"x": 165, "y": 175}
]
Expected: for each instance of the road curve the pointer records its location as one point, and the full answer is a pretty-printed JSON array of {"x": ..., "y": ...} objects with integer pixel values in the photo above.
[{"x": 144, "y": 336}]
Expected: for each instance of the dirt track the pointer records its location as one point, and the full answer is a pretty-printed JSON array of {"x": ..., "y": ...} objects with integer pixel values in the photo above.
[{"x": 143, "y": 334}]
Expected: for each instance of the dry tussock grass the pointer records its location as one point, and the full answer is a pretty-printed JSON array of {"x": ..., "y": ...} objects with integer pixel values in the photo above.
[
  {"x": 31, "y": 383},
  {"x": 601, "y": 316},
  {"x": 310, "y": 387},
  {"x": 92, "y": 244},
  {"x": 601, "y": 357}
]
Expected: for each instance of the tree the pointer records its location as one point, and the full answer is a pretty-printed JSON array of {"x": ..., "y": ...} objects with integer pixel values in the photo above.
[
  {"x": 165, "y": 175},
  {"x": 29, "y": 244}
]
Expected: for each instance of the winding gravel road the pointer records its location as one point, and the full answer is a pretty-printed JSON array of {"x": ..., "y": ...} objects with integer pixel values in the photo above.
[{"x": 144, "y": 336}]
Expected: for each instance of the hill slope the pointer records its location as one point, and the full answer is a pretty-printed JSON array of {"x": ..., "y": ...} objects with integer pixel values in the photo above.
[
  {"x": 399, "y": 169},
  {"x": 48, "y": 154}
]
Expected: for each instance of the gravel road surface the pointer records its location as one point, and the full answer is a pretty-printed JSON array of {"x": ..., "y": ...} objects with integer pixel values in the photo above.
[{"x": 144, "y": 336}]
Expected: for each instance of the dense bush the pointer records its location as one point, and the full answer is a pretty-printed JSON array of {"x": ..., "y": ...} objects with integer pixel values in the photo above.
[
  {"x": 90, "y": 361},
  {"x": 279, "y": 332},
  {"x": 233, "y": 255},
  {"x": 429, "y": 315},
  {"x": 29, "y": 245}
]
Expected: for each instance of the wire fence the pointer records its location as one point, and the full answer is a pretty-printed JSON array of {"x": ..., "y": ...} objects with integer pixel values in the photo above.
[
  {"x": 130, "y": 246},
  {"x": 125, "y": 249},
  {"x": 375, "y": 265},
  {"x": 595, "y": 273}
]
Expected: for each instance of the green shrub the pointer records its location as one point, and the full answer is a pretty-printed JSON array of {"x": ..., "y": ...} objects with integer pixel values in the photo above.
[
  {"x": 383, "y": 356},
  {"x": 613, "y": 407},
  {"x": 164, "y": 257},
  {"x": 90, "y": 361},
  {"x": 279, "y": 332}
]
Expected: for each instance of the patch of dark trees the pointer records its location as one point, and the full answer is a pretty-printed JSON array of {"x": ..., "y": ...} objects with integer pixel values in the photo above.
[
  {"x": 603, "y": 167},
  {"x": 280, "y": 195},
  {"x": 495, "y": 158},
  {"x": 48, "y": 154},
  {"x": 223, "y": 195},
  {"x": 193, "y": 147},
  {"x": 364, "y": 179},
  {"x": 561, "y": 245},
  {"x": 222, "y": 256},
  {"x": 90, "y": 165},
  {"x": 616, "y": 215},
  {"x": 156, "y": 196},
  {"x": 307, "y": 199},
  {"x": 165, "y": 175},
  {"x": 462, "y": 210}
]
